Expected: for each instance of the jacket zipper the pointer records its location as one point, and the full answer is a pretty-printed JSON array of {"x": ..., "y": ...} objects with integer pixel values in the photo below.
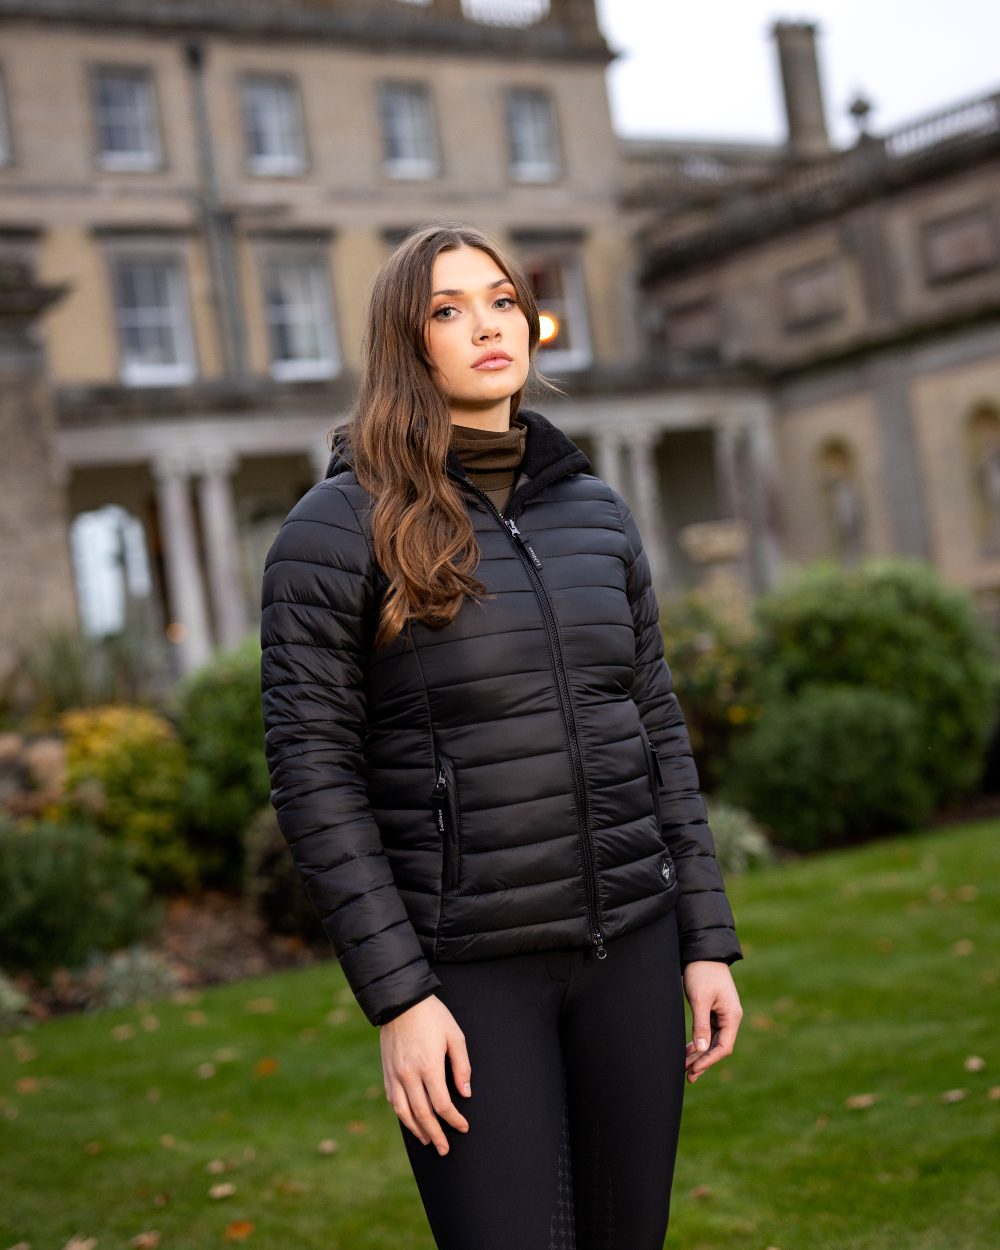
[
  {"x": 531, "y": 563},
  {"x": 449, "y": 831}
]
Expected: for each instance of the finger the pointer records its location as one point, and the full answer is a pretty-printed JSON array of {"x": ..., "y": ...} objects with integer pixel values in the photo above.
[
  {"x": 437, "y": 1089},
  {"x": 701, "y": 1029},
  {"x": 401, "y": 1106},
  {"x": 424, "y": 1114},
  {"x": 461, "y": 1068}
]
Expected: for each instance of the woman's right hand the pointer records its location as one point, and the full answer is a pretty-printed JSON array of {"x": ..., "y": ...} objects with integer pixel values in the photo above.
[{"x": 415, "y": 1046}]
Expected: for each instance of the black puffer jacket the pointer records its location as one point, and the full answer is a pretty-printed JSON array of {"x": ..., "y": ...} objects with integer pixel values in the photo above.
[{"x": 517, "y": 781}]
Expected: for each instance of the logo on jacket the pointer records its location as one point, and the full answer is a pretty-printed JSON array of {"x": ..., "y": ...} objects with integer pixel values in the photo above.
[{"x": 665, "y": 869}]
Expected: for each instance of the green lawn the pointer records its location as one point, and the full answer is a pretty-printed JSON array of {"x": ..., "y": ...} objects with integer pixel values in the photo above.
[{"x": 871, "y": 975}]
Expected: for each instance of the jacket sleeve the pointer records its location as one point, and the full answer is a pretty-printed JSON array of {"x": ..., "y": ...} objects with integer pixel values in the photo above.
[
  {"x": 317, "y": 602},
  {"x": 705, "y": 918}
]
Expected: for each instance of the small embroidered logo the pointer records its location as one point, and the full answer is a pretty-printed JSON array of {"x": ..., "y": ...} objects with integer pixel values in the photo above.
[{"x": 665, "y": 870}]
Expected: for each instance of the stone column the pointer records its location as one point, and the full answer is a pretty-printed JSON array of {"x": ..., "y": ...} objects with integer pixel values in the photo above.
[
  {"x": 222, "y": 546},
  {"x": 763, "y": 511},
  {"x": 188, "y": 627},
  {"x": 647, "y": 504},
  {"x": 608, "y": 450},
  {"x": 725, "y": 437}
]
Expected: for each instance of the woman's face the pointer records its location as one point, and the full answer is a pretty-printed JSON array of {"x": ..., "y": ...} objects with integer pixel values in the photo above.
[{"x": 477, "y": 337}]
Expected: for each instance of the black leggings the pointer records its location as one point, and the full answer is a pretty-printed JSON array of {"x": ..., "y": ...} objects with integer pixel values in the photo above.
[{"x": 577, "y": 1084}]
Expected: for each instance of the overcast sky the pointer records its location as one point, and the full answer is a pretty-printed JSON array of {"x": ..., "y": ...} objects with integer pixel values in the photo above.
[{"x": 707, "y": 68}]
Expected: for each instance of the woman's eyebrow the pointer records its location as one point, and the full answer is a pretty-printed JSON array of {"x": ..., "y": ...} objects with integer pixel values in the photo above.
[{"x": 491, "y": 287}]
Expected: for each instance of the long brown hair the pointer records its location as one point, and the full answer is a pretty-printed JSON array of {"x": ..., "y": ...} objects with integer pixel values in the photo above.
[{"x": 399, "y": 433}]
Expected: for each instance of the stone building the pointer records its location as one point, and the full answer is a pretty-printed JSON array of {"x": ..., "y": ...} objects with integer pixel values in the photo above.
[
  {"x": 860, "y": 288},
  {"x": 196, "y": 194}
]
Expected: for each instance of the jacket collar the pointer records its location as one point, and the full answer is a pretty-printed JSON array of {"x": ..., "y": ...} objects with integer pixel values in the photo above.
[{"x": 548, "y": 455}]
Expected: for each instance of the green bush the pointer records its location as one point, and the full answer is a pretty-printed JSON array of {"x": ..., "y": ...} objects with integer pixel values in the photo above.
[
  {"x": 65, "y": 891},
  {"x": 219, "y": 717},
  {"x": 891, "y": 626},
  {"x": 836, "y": 764},
  {"x": 740, "y": 843},
  {"x": 708, "y": 656},
  {"x": 126, "y": 772},
  {"x": 273, "y": 883}
]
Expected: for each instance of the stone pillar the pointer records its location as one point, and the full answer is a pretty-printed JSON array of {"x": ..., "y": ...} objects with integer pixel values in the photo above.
[
  {"x": 222, "y": 546},
  {"x": 608, "y": 452},
  {"x": 647, "y": 504},
  {"x": 727, "y": 484},
  {"x": 763, "y": 510},
  {"x": 188, "y": 628},
  {"x": 34, "y": 532}
]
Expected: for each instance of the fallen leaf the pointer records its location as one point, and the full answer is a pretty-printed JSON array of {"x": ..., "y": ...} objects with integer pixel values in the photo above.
[
  {"x": 226, "y": 1054},
  {"x": 28, "y": 1085},
  {"x": 993, "y": 1093},
  {"x": 216, "y": 1165},
  {"x": 196, "y": 1018},
  {"x": 168, "y": 1140},
  {"x": 859, "y": 1101},
  {"x": 937, "y": 894},
  {"x": 76, "y": 1242},
  {"x": 261, "y": 1006},
  {"x": 965, "y": 946},
  {"x": 975, "y": 1063},
  {"x": 761, "y": 1022},
  {"x": 374, "y": 1091},
  {"x": 238, "y": 1230},
  {"x": 953, "y": 1095},
  {"x": 225, "y": 1190},
  {"x": 122, "y": 1032},
  {"x": 822, "y": 1121},
  {"x": 152, "y": 1095},
  {"x": 914, "y": 1100},
  {"x": 339, "y": 1015},
  {"x": 93, "y": 1148},
  {"x": 20, "y": 1245},
  {"x": 148, "y": 1240},
  {"x": 205, "y": 1070},
  {"x": 885, "y": 944},
  {"x": 357, "y": 1126},
  {"x": 265, "y": 1067},
  {"x": 966, "y": 893},
  {"x": 290, "y": 1187},
  {"x": 701, "y": 1192},
  {"x": 327, "y": 1146},
  {"x": 150, "y": 1023},
  {"x": 24, "y": 1052},
  {"x": 249, "y": 1152}
]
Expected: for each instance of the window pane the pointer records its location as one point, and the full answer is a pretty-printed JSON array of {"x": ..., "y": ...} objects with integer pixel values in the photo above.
[
  {"x": 408, "y": 128},
  {"x": 298, "y": 315},
  {"x": 532, "y": 135},
  {"x": 151, "y": 315},
  {"x": 126, "y": 123},
  {"x": 273, "y": 130}
]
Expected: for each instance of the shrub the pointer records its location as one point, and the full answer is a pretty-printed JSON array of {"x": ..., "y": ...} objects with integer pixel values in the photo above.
[
  {"x": 890, "y": 626},
  {"x": 708, "y": 654},
  {"x": 66, "y": 890},
  {"x": 740, "y": 843},
  {"x": 273, "y": 883},
  {"x": 133, "y": 974},
  {"x": 220, "y": 720},
  {"x": 836, "y": 764},
  {"x": 126, "y": 771},
  {"x": 13, "y": 1005}
]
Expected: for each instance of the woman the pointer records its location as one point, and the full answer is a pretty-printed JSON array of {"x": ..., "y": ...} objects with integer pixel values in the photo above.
[{"x": 484, "y": 776}]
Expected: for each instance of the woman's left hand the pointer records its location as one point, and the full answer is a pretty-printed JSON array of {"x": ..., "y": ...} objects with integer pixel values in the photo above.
[{"x": 716, "y": 1012}]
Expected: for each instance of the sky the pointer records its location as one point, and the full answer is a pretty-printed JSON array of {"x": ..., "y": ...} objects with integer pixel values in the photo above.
[{"x": 708, "y": 68}]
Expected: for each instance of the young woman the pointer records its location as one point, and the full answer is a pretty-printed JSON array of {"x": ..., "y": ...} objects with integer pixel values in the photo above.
[{"x": 483, "y": 774}]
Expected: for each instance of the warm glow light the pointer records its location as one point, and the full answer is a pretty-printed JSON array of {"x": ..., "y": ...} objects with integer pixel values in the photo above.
[
  {"x": 176, "y": 632},
  {"x": 549, "y": 327}
]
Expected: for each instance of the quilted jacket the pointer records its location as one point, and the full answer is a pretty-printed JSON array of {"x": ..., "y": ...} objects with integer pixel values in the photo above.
[{"x": 519, "y": 780}]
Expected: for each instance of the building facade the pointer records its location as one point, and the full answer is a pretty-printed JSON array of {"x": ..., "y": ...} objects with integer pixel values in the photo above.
[{"x": 195, "y": 196}]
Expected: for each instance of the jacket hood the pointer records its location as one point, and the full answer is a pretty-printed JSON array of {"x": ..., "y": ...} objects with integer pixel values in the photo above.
[{"x": 549, "y": 454}]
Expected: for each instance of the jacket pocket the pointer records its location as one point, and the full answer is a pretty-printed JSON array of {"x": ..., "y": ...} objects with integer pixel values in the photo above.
[
  {"x": 653, "y": 768},
  {"x": 448, "y": 818}
]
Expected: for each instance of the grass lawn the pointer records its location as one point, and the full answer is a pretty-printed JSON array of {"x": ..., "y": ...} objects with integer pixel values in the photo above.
[{"x": 850, "y": 1117}]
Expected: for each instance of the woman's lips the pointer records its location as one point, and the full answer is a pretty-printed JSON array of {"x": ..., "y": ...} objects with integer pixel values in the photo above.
[{"x": 493, "y": 362}]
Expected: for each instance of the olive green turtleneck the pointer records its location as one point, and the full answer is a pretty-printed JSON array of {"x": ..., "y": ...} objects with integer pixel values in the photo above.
[{"x": 491, "y": 457}]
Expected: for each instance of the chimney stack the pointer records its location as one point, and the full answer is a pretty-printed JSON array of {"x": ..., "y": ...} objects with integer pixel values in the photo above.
[{"x": 804, "y": 108}]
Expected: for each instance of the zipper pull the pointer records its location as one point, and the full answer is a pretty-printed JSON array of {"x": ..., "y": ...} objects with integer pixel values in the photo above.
[
  {"x": 598, "y": 940},
  {"x": 518, "y": 537},
  {"x": 656, "y": 764},
  {"x": 440, "y": 786}
]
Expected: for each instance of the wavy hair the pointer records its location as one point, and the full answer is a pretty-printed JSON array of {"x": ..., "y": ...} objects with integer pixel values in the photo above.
[{"x": 399, "y": 433}]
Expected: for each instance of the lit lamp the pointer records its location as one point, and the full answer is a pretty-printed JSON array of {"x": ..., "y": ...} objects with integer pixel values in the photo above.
[{"x": 548, "y": 325}]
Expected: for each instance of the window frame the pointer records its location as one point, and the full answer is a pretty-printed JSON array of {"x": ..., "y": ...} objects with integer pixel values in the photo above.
[
  {"x": 127, "y": 162},
  {"x": 273, "y": 256},
  {"x": 533, "y": 171},
  {"x": 136, "y": 373},
  {"x": 580, "y": 355},
  {"x": 6, "y": 132},
  {"x": 420, "y": 168},
  {"x": 259, "y": 166}
]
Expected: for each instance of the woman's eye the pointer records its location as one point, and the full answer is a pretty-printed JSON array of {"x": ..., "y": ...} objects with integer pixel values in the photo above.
[
  {"x": 508, "y": 301},
  {"x": 440, "y": 312}
]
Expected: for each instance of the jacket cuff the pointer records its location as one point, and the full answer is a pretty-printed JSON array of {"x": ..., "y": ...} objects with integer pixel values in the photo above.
[{"x": 390, "y": 1013}]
